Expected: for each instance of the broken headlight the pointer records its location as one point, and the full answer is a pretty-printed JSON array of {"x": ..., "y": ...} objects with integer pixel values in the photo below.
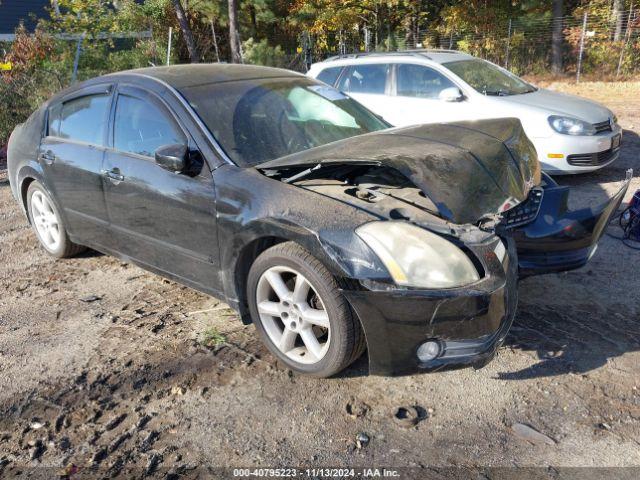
[{"x": 416, "y": 257}]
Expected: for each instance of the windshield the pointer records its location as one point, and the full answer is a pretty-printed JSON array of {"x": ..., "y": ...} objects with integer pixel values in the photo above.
[
  {"x": 258, "y": 120},
  {"x": 489, "y": 79}
]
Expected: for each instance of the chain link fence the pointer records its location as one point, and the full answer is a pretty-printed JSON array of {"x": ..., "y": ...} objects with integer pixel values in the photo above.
[{"x": 589, "y": 46}]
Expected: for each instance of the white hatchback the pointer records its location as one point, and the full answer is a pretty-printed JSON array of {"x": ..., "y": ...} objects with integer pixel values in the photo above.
[{"x": 571, "y": 134}]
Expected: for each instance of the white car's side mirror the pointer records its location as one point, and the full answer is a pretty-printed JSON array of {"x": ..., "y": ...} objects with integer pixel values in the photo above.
[{"x": 451, "y": 94}]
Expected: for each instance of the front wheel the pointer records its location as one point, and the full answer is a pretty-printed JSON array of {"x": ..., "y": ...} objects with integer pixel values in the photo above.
[
  {"x": 300, "y": 313},
  {"x": 48, "y": 224}
]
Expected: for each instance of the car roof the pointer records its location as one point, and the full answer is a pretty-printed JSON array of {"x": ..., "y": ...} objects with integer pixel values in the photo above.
[
  {"x": 436, "y": 55},
  {"x": 180, "y": 76}
]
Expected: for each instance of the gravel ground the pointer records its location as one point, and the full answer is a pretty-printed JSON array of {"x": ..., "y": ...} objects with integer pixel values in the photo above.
[{"x": 107, "y": 369}]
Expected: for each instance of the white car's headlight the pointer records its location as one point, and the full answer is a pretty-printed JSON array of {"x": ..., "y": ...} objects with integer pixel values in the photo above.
[
  {"x": 571, "y": 126},
  {"x": 416, "y": 257}
]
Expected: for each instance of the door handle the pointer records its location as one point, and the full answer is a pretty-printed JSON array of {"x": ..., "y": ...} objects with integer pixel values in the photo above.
[
  {"x": 113, "y": 174},
  {"x": 48, "y": 157}
]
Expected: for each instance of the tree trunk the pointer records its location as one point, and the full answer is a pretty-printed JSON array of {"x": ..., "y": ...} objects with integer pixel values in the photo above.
[
  {"x": 186, "y": 32},
  {"x": 556, "y": 37},
  {"x": 234, "y": 36},
  {"x": 618, "y": 7}
]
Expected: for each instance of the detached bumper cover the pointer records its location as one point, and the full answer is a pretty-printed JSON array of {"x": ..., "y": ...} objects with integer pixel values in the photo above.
[
  {"x": 469, "y": 323},
  {"x": 561, "y": 239}
]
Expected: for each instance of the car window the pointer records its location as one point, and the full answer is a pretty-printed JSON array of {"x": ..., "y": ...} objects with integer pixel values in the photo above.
[
  {"x": 142, "y": 127},
  {"x": 489, "y": 79},
  {"x": 365, "y": 79},
  {"x": 329, "y": 75},
  {"x": 83, "y": 119},
  {"x": 419, "y": 81},
  {"x": 258, "y": 120}
]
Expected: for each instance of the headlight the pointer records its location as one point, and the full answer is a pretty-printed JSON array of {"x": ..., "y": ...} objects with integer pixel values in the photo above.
[
  {"x": 416, "y": 257},
  {"x": 571, "y": 126}
]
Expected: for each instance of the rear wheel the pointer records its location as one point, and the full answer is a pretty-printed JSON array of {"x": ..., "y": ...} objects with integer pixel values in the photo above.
[
  {"x": 300, "y": 313},
  {"x": 48, "y": 224}
]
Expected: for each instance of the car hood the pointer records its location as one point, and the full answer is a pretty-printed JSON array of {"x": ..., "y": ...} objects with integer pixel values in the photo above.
[
  {"x": 469, "y": 170},
  {"x": 561, "y": 104}
]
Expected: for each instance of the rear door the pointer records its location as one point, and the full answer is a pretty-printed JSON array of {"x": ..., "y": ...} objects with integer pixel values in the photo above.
[
  {"x": 163, "y": 219},
  {"x": 369, "y": 84},
  {"x": 71, "y": 155}
]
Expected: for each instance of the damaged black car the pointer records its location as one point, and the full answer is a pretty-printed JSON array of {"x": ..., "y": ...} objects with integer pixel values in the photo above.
[{"x": 331, "y": 232}]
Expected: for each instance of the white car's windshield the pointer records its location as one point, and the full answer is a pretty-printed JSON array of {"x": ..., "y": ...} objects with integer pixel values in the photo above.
[{"x": 488, "y": 78}]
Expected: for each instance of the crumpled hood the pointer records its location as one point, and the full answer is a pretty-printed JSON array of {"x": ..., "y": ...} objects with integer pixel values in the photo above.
[
  {"x": 469, "y": 170},
  {"x": 562, "y": 104}
]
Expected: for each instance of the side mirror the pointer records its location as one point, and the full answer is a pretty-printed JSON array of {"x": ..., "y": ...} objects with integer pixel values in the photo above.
[
  {"x": 451, "y": 94},
  {"x": 174, "y": 158}
]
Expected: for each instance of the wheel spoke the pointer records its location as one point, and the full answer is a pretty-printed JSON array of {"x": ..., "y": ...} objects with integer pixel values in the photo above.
[
  {"x": 300, "y": 290},
  {"x": 317, "y": 317},
  {"x": 51, "y": 218},
  {"x": 311, "y": 342},
  {"x": 54, "y": 233},
  {"x": 278, "y": 285},
  {"x": 269, "y": 308},
  {"x": 36, "y": 202},
  {"x": 288, "y": 340},
  {"x": 48, "y": 237}
]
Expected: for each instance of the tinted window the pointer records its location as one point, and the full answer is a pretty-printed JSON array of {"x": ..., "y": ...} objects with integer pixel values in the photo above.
[
  {"x": 142, "y": 127},
  {"x": 54, "y": 120},
  {"x": 259, "y": 120},
  {"x": 330, "y": 75},
  {"x": 83, "y": 119},
  {"x": 365, "y": 79},
  {"x": 419, "y": 81}
]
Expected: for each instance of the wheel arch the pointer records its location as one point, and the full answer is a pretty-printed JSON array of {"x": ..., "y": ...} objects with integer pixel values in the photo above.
[{"x": 246, "y": 256}]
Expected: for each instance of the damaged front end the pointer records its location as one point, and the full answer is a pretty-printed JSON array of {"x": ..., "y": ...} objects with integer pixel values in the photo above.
[{"x": 477, "y": 185}]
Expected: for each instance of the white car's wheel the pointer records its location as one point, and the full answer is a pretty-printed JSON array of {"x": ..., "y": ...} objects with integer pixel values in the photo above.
[
  {"x": 48, "y": 224},
  {"x": 300, "y": 313}
]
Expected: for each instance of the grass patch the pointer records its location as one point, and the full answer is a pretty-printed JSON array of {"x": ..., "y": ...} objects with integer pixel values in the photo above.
[{"x": 211, "y": 337}]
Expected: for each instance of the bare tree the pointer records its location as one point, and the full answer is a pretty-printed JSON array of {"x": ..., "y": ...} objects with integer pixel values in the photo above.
[
  {"x": 556, "y": 36},
  {"x": 186, "y": 31},
  {"x": 234, "y": 35}
]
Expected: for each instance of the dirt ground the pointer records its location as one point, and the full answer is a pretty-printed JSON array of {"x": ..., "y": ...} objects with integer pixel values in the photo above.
[{"x": 103, "y": 369}]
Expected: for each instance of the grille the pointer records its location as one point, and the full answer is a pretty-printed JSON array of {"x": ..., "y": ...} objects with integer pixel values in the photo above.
[
  {"x": 602, "y": 126},
  {"x": 525, "y": 212},
  {"x": 593, "y": 159}
]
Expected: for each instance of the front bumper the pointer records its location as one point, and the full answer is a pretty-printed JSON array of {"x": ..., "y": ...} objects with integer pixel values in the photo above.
[
  {"x": 469, "y": 323},
  {"x": 580, "y": 154},
  {"x": 560, "y": 239}
]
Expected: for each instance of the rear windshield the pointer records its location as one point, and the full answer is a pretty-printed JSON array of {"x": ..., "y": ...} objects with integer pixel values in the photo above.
[
  {"x": 489, "y": 79},
  {"x": 255, "y": 121}
]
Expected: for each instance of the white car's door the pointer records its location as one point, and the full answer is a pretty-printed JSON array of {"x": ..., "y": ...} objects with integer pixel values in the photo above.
[
  {"x": 369, "y": 85},
  {"x": 423, "y": 95}
]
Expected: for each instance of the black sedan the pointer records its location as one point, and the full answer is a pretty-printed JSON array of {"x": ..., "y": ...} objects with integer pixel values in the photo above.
[{"x": 304, "y": 211}]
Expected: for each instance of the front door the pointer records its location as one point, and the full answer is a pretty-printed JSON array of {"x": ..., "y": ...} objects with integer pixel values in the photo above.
[
  {"x": 417, "y": 98},
  {"x": 71, "y": 155},
  {"x": 163, "y": 219},
  {"x": 369, "y": 85}
]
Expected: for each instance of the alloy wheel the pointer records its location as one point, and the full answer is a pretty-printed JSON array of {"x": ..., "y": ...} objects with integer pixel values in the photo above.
[
  {"x": 45, "y": 220},
  {"x": 293, "y": 315}
]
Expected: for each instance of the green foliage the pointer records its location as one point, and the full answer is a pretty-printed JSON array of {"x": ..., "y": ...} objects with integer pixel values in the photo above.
[
  {"x": 261, "y": 53},
  {"x": 212, "y": 338}
]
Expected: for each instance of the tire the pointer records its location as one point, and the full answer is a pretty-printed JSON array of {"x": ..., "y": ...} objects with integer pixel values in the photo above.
[
  {"x": 46, "y": 221},
  {"x": 279, "y": 317}
]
